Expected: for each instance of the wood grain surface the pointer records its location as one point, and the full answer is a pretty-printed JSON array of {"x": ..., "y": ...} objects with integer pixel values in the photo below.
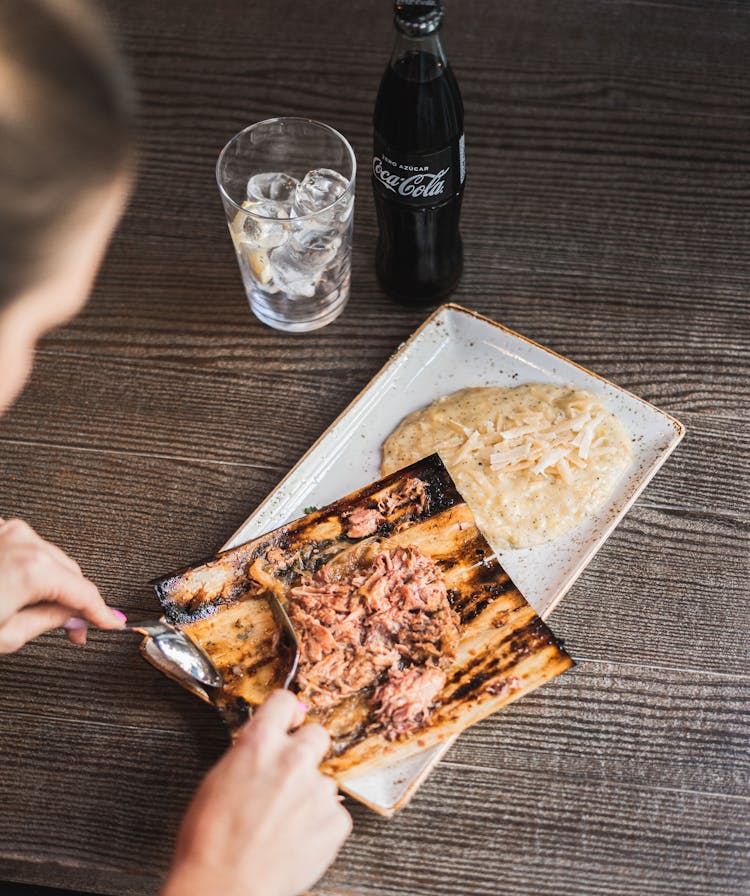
[{"x": 606, "y": 215}]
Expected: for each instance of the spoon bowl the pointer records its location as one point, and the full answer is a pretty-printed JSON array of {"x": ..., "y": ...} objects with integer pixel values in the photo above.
[{"x": 179, "y": 651}]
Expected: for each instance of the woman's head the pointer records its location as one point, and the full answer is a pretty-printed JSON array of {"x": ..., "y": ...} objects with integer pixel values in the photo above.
[{"x": 65, "y": 149}]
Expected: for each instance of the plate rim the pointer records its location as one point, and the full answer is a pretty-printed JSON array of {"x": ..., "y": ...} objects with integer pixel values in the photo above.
[
  {"x": 678, "y": 433},
  {"x": 368, "y": 385},
  {"x": 679, "y": 428}
]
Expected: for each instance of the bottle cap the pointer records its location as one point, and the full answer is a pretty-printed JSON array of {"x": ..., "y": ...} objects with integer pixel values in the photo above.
[{"x": 418, "y": 17}]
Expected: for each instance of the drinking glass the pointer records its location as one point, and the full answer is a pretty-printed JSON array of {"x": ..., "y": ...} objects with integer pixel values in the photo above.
[{"x": 287, "y": 186}]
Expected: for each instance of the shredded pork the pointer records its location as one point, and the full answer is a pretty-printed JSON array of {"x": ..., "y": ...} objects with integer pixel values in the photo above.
[
  {"x": 403, "y": 701},
  {"x": 412, "y": 491},
  {"x": 387, "y": 624},
  {"x": 364, "y": 521}
]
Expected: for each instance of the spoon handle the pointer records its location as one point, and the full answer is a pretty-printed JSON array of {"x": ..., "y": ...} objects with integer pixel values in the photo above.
[{"x": 145, "y": 627}]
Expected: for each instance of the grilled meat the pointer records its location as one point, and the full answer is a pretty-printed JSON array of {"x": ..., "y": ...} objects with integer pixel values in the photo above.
[
  {"x": 412, "y": 492},
  {"x": 403, "y": 701},
  {"x": 356, "y": 627},
  {"x": 393, "y": 670},
  {"x": 363, "y": 521}
]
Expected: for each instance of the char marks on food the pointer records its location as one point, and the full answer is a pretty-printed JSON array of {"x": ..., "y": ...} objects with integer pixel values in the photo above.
[
  {"x": 364, "y": 521},
  {"x": 385, "y": 624},
  {"x": 413, "y": 491}
]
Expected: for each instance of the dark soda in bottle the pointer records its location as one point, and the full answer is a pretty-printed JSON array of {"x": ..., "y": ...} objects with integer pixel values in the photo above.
[{"x": 418, "y": 167}]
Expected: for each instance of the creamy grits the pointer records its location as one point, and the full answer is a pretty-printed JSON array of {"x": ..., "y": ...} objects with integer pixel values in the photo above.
[{"x": 532, "y": 461}]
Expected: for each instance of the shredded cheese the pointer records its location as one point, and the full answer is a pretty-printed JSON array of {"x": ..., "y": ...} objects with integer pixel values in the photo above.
[
  {"x": 533, "y": 442},
  {"x": 546, "y": 448},
  {"x": 552, "y": 446},
  {"x": 532, "y": 461}
]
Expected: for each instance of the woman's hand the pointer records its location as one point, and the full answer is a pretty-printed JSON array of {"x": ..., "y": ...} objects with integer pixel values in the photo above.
[
  {"x": 41, "y": 588},
  {"x": 265, "y": 821}
]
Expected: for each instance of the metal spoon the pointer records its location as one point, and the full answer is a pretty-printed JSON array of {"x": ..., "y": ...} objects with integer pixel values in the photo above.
[
  {"x": 179, "y": 650},
  {"x": 194, "y": 662},
  {"x": 191, "y": 660},
  {"x": 288, "y": 636}
]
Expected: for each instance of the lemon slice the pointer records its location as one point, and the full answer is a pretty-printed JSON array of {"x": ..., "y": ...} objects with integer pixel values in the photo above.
[
  {"x": 260, "y": 265},
  {"x": 256, "y": 257},
  {"x": 237, "y": 227}
]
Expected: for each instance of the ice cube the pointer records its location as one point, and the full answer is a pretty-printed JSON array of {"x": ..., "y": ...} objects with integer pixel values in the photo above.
[
  {"x": 290, "y": 273},
  {"x": 298, "y": 267},
  {"x": 316, "y": 241},
  {"x": 272, "y": 185},
  {"x": 266, "y": 231},
  {"x": 317, "y": 190}
]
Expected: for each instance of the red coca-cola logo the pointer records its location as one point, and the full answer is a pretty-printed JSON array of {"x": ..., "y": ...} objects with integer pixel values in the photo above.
[{"x": 415, "y": 186}]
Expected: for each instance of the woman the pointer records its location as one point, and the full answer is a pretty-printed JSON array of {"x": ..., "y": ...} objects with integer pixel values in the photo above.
[{"x": 264, "y": 820}]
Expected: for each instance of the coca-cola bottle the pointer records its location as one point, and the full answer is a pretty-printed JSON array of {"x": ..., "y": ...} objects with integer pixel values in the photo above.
[{"x": 418, "y": 166}]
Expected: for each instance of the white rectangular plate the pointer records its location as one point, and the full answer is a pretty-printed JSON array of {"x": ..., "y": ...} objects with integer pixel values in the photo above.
[{"x": 453, "y": 349}]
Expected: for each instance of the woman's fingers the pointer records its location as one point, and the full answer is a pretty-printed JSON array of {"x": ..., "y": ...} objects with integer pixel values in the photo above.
[
  {"x": 282, "y": 711},
  {"x": 313, "y": 740},
  {"x": 77, "y": 636},
  {"x": 19, "y": 531},
  {"x": 47, "y": 580},
  {"x": 35, "y": 573},
  {"x": 61, "y": 557},
  {"x": 29, "y": 623},
  {"x": 76, "y": 630},
  {"x": 44, "y": 588}
]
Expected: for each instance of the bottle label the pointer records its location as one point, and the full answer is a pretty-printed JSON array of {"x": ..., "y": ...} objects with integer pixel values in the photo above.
[{"x": 425, "y": 179}]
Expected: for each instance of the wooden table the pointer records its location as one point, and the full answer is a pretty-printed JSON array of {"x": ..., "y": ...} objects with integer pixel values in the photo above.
[{"x": 606, "y": 216}]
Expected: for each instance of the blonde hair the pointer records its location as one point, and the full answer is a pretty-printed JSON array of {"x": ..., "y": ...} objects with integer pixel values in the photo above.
[{"x": 66, "y": 115}]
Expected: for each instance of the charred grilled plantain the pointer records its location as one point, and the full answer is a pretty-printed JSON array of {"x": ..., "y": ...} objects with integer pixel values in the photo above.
[{"x": 504, "y": 649}]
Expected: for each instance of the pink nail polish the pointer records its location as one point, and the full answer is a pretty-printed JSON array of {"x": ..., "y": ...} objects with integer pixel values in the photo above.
[
  {"x": 120, "y": 615},
  {"x": 302, "y": 706},
  {"x": 75, "y": 623}
]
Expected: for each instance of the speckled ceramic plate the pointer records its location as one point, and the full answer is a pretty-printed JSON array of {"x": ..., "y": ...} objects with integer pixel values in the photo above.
[{"x": 453, "y": 349}]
